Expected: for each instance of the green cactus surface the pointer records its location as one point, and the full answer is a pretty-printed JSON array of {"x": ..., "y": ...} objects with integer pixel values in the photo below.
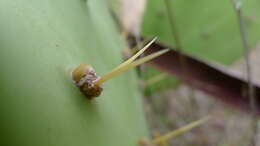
[{"x": 41, "y": 42}]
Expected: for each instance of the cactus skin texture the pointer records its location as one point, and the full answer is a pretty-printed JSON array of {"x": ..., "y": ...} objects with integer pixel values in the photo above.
[{"x": 40, "y": 43}]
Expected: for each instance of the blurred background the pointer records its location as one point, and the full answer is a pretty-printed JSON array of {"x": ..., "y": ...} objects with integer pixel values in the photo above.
[{"x": 224, "y": 32}]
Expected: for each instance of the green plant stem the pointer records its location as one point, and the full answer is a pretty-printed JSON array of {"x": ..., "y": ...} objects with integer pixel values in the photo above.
[{"x": 251, "y": 94}]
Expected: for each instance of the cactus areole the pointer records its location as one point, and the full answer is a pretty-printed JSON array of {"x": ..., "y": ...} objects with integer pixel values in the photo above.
[{"x": 84, "y": 76}]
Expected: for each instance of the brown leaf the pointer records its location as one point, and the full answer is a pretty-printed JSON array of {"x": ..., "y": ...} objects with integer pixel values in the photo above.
[{"x": 212, "y": 79}]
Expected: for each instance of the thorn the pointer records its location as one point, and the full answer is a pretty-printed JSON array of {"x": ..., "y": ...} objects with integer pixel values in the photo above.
[
  {"x": 179, "y": 131},
  {"x": 130, "y": 63},
  {"x": 155, "y": 79},
  {"x": 130, "y": 60}
]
